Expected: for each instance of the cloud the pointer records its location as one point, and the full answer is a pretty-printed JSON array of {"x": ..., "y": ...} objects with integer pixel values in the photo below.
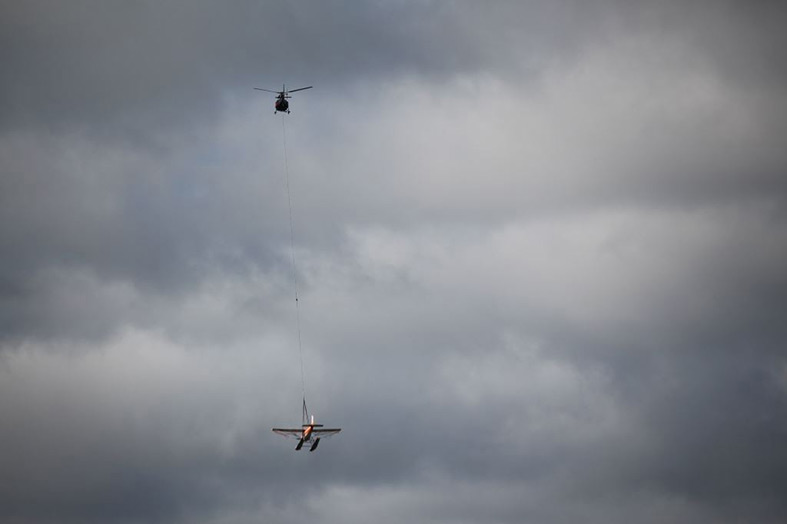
[{"x": 539, "y": 249}]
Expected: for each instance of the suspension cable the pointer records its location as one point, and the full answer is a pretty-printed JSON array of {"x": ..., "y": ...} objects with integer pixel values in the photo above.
[{"x": 292, "y": 256}]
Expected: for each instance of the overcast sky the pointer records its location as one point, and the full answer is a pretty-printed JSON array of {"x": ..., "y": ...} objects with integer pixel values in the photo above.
[{"x": 541, "y": 252}]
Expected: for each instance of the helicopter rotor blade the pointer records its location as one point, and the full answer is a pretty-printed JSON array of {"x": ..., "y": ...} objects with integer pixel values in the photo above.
[
  {"x": 268, "y": 90},
  {"x": 299, "y": 89}
]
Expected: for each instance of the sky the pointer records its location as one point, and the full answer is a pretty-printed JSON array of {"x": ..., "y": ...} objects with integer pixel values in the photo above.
[{"x": 540, "y": 254}]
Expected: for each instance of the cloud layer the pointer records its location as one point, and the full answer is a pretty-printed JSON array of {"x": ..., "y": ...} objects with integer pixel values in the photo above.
[{"x": 540, "y": 250}]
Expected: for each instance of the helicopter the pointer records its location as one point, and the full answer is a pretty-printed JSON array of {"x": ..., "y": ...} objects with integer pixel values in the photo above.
[{"x": 282, "y": 96}]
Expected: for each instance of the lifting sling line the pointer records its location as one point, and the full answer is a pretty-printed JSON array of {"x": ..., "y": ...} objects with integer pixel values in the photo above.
[{"x": 294, "y": 267}]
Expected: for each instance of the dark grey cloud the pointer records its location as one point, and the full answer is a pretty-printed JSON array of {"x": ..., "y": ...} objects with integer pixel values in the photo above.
[
  {"x": 128, "y": 66},
  {"x": 540, "y": 254},
  {"x": 131, "y": 65}
]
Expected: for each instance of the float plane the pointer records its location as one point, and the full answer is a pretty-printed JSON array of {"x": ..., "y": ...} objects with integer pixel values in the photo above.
[{"x": 309, "y": 432}]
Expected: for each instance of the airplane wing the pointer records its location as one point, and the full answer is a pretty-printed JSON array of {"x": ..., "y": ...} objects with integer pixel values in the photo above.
[
  {"x": 325, "y": 432},
  {"x": 289, "y": 432}
]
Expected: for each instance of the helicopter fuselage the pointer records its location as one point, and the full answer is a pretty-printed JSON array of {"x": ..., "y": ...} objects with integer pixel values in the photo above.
[{"x": 282, "y": 105}]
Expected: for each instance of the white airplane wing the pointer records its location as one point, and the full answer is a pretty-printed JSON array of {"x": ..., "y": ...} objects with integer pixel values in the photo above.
[
  {"x": 325, "y": 432},
  {"x": 296, "y": 433}
]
